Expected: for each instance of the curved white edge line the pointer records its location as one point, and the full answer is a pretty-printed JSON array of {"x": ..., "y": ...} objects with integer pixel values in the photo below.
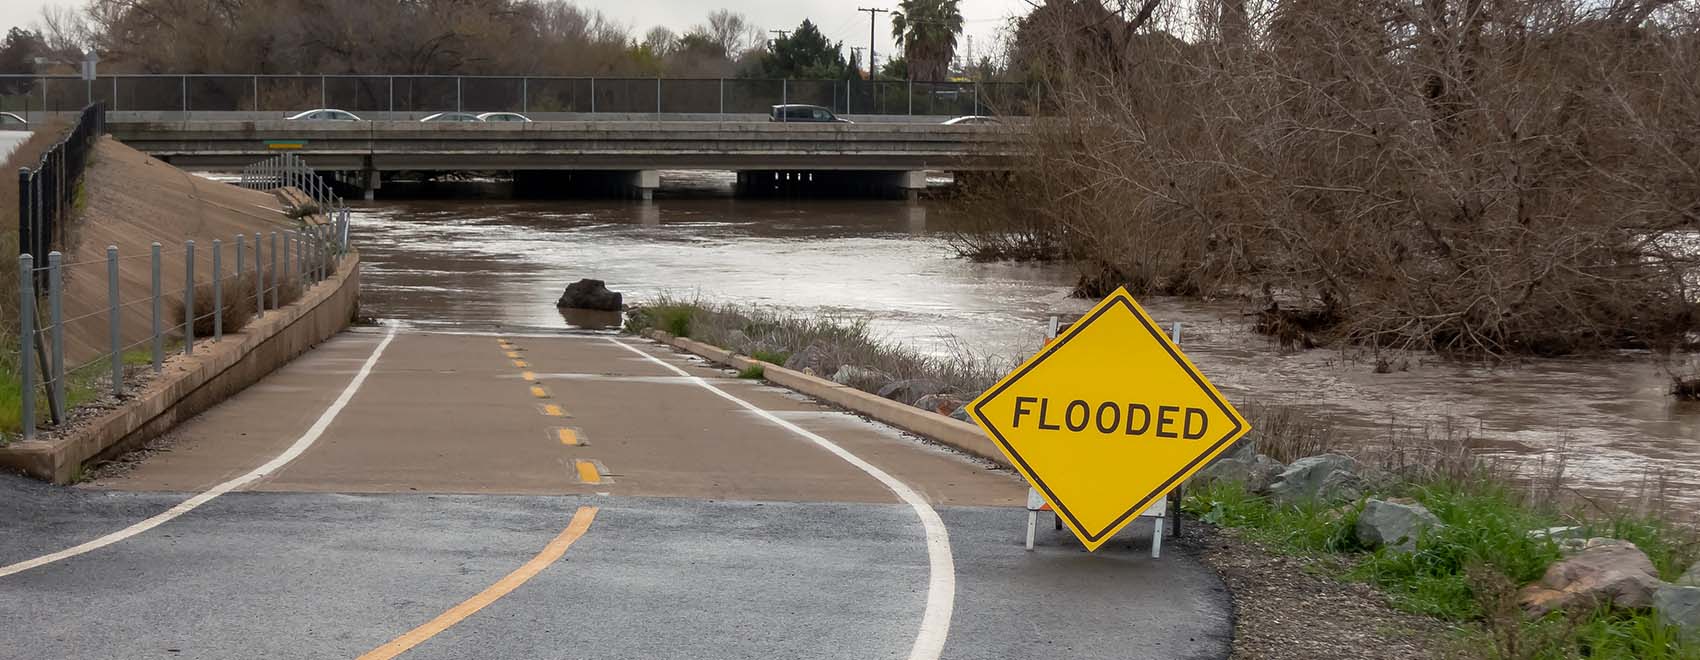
[
  {"x": 941, "y": 583},
  {"x": 301, "y": 444}
]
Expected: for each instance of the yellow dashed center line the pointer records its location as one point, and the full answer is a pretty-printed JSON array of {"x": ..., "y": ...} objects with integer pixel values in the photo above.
[
  {"x": 514, "y": 354},
  {"x": 553, "y": 410},
  {"x": 568, "y": 437},
  {"x": 528, "y": 376},
  {"x": 522, "y": 364},
  {"x": 551, "y": 552},
  {"x": 587, "y": 472},
  {"x": 539, "y": 392}
]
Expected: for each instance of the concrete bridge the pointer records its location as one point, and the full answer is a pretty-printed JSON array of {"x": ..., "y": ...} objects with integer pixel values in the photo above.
[{"x": 592, "y": 155}]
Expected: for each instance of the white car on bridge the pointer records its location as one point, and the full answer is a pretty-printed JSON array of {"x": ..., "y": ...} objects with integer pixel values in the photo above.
[{"x": 326, "y": 114}]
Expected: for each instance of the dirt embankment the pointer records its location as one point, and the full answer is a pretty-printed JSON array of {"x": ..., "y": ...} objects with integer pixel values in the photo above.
[{"x": 130, "y": 201}]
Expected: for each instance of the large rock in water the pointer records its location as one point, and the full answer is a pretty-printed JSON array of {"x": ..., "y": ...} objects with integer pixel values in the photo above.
[
  {"x": 1393, "y": 524},
  {"x": 590, "y": 294},
  {"x": 1607, "y": 571}
]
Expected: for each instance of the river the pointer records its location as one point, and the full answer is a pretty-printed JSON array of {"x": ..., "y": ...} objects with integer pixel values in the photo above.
[{"x": 497, "y": 262}]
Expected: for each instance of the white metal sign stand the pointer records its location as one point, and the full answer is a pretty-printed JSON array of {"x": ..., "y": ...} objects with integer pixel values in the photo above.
[{"x": 1158, "y": 510}]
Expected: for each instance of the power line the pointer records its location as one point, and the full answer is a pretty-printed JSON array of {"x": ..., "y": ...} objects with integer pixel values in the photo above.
[{"x": 871, "y": 15}]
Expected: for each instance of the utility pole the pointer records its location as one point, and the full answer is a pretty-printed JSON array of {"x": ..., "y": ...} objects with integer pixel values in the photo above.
[
  {"x": 783, "y": 34},
  {"x": 871, "y": 14}
]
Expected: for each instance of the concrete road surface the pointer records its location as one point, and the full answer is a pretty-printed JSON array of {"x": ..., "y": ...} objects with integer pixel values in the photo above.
[{"x": 567, "y": 496}]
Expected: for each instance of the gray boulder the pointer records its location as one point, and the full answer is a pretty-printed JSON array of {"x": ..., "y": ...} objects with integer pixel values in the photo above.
[
  {"x": 1256, "y": 472},
  {"x": 1690, "y": 577},
  {"x": 590, "y": 294},
  {"x": 1606, "y": 571},
  {"x": 813, "y": 359},
  {"x": 911, "y": 390},
  {"x": 1328, "y": 476},
  {"x": 962, "y": 414},
  {"x": 861, "y": 378},
  {"x": 1678, "y": 606},
  {"x": 942, "y": 404},
  {"x": 1393, "y": 524}
]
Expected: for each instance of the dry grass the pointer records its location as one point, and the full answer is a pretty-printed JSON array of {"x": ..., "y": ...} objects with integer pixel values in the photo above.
[
  {"x": 238, "y": 305},
  {"x": 774, "y": 337}
]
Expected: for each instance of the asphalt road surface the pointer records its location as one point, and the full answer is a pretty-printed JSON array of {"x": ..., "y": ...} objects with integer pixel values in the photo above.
[{"x": 427, "y": 495}]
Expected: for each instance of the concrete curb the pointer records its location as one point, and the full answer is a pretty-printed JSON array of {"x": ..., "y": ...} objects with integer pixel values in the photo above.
[
  {"x": 192, "y": 385},
  {"x": 944, "y": 430}
]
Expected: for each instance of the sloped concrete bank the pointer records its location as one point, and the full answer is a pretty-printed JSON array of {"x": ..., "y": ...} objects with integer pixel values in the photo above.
[
  {"x": 191, "y": 384},
  {"x": 950, "y": 432}
]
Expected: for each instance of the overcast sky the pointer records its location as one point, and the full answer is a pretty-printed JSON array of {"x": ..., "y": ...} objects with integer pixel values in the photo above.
[{"x": 984, "y": 19}]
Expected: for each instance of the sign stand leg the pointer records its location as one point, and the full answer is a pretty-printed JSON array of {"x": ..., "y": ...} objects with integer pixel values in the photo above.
[
  {"x": 1157, "y": 539},
  {"x": 1032, "y": 522}
]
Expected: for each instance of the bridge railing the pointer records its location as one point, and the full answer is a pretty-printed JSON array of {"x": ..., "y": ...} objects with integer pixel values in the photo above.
[{"x": 419, "y": 94}]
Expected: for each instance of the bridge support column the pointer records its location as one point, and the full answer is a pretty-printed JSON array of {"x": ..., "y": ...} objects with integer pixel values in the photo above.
[
  {"x": 370, "y": 182},
  {"x": 644, "y": 183},
  {"x": 912, "y": 183}
]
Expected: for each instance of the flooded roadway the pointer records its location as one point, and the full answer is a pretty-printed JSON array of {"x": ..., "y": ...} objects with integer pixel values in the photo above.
[{"x": 490, "y": 262}]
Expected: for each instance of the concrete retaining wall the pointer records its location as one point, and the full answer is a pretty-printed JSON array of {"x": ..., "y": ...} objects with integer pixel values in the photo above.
[
  {"x": 190, "y": 385},
  {"x": 941, "y": 429}
]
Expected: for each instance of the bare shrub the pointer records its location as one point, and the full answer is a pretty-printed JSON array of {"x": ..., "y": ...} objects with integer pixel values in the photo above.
[
  {"x": 1517, "y": 177},
  {"x": 237, "y": 298}
]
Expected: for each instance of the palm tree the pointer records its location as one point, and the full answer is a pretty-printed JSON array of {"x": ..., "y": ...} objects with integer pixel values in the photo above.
[{"x": 927, "y": 30}]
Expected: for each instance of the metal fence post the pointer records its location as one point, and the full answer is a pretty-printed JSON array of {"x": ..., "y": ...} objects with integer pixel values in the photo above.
[
  {"x": 457, "y": 93},
  {"x": 593, "y": 96},
  {"x": 524, "y": 94},
  {"x": 911, "y": 96},
  {"x": 256, "y": 80},
  {"x": 26, "y": 331},
  {"x": 158, "y": 341},
  {"x": 56, "y": 316},
  {"x": 259, "y": 276},
  {"x": 112, "y": 321},
  {"x": 188, "y": 297},
  {"x": 976, "y": 98},
  {"x": 277, "y": 293},
  {"x": 322, "y": 94},
  {"x": 392, "y": 94},
  {"x": 658, "y": 95},
  {"x": 185, "y": 83},
  {"x": 218, "y": 289},
  {"x": 722, "y": 96},
  {"x": 784, "y": 96},
  {"x": 237, "y": 271}
]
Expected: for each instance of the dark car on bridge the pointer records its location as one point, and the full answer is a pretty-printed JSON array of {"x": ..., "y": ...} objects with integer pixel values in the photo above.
[{"x": 796, "y": 112}]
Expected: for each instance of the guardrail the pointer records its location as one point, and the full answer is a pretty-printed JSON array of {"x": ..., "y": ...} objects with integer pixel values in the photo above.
[
  {"x": 46, "y": 193},
  {"x": 426, "y": 93},
  {"x": 282, "y": 266}
]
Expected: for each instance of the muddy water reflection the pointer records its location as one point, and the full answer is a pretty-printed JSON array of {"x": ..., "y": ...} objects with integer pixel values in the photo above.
[{"x": 503, "y": 263}]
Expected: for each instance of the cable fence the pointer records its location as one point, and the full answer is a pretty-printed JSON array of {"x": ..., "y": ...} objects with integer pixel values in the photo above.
[
  {"x": 289, "y": 170},
  {"x": 418, "y": 94},
  {"x": 69, "y": 359}
]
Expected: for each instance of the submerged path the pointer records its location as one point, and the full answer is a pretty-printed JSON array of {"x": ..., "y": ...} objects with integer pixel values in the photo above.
[{"x": 444, "y": 495}]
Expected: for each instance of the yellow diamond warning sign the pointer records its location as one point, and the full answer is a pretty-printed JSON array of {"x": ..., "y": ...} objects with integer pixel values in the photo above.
[{"x": 1107, "y": 419}]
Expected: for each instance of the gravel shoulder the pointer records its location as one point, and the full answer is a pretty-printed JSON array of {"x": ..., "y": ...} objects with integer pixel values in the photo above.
[{"x": 1288, "y": 607}]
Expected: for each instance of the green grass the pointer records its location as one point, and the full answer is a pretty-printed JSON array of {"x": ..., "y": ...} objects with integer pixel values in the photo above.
[
  {"x": 1467, "y": 571},
  {"x": 770, "y": 357},
  {"x": 82, "y": 385},
  {"x": 753, "y": 372}
]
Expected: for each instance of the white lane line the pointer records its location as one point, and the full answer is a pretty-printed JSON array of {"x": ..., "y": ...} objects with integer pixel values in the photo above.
[
  {"x": 941, "y": 583},
  {"x": 301, "y": 444}
]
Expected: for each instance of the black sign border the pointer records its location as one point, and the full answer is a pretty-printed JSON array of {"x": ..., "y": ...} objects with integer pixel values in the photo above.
[{"x": 1123, "y": 299}]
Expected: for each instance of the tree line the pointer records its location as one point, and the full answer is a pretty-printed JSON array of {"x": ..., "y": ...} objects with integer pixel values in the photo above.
[{"x": 465, "y": 37}]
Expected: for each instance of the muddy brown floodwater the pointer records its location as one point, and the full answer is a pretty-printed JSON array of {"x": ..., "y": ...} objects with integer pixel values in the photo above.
[{"x": 499, "y": 262}]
